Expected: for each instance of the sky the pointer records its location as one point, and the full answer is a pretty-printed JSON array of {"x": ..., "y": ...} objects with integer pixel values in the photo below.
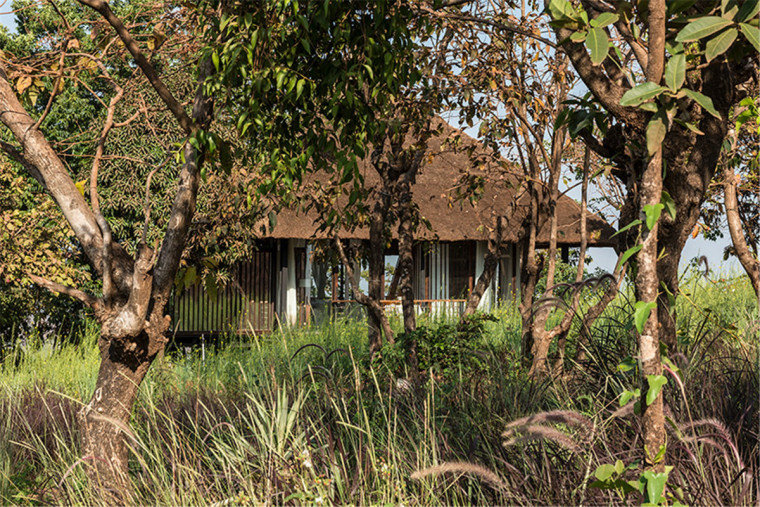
[{"x": 603, "y": 258}]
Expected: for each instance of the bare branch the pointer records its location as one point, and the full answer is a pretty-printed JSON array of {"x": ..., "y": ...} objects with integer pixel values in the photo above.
[
  {"x": 174, "y": 106},
  {"x": 56, "y": 84},
  {"x": 85, "y": 298}
]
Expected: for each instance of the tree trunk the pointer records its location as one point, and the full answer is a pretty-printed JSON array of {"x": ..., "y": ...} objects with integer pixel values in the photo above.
[
  {"x": 484, "y": 280},
  {"x": 748, "y": 261},
  {"x": 562, "y": 341},
  {"x": 541, "y": 337},
  {"x": 406, "y": 256},
  {"x": 647, "y": 279},
  {"x": 104, "y": 421},
  {"x": 376, "y": 271}
]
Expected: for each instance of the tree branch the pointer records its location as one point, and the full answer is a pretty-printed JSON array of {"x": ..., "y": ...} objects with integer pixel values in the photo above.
[
  {"x": 731, "y": 203},
  {"x": 174, "y": 106},
  {"x": 361, "y": 297},
  {"x": 85, "y": 298}
]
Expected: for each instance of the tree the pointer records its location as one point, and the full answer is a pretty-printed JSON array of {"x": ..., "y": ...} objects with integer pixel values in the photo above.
[
  {"x": 135, "y": 288},
  {"x": 336, "y": 91},
  {"x": 289, "y": 76},
  {"x": 664, "y": 135}
]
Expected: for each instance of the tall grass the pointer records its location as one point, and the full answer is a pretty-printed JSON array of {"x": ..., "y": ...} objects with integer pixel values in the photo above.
[{"x": 303, "y": 416}]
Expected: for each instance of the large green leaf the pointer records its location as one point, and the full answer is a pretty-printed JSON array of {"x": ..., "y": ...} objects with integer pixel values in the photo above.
[
  {"x": 752, "y": 34},
  {"x": 702, "y": 27},
  {"x": 748, "y": 10},
  {"x": 641, "y": 93},
  {"x": 655, "y": 386},
  {"x": 675, "y": 72},
  {"x": 653, "y": 212},
  {"x": 720, "y": 43},
  {"x": 562, "y": 9},
  {"x": 705, "y": 102},
  {"x": 655, "y": 486},
  {"x": 604, "y": 19},
  {"x": 599, "y": 45},
  {"x": 641, "y": 312}
]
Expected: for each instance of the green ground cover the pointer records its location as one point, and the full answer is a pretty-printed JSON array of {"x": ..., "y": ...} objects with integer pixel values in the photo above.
[{"x": 303, "y": 416}]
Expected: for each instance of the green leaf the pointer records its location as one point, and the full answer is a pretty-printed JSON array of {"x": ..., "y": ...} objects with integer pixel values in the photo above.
[
  {"x": 689, "y": 125},
  {"x": 579, "y": 36},
  {"x": 641, "y": 93},
  {"x": 649, "y": 106},
  {"x": 702, "y": 27},
  {"x": 299, "y": 88},
  {"x": 728, "y": 9},
  {"x": 669, "y": 203},
  {"x": 678, "y": 6},
  {"x": 630, "y": 252},
  {"x": 604, "y": 19},
  {"x": 655, "y": 486},
  {"x": 704, "y": 101},
  {"x": 675, "y": 72},
  {"x": 720, "y": 43},
  {"x": 655, "y": 386},
  {"x": 626, "y": 396},
  {"x": 562, "y": 9},
  {"x": 752, "y": 34},
  {"x": 748, "y": 10},
  {"x": 599, "y": 45},
  {"x": 604, "y": 472},
  {"x": 657, "y": 128},
  {"x": 653, "y": 212},
  {"x": 627, "y": 364},
  {"x": 632, "y": 224},
  {"x": 641, "y": 311},
  {"x": 215, "y": 60}
]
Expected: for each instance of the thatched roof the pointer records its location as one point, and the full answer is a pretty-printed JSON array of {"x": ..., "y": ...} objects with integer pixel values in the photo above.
[{"x": 452, "y": 219}]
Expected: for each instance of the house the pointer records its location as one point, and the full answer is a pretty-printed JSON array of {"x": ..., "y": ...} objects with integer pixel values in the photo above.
[{"x": 285, "y": 282}]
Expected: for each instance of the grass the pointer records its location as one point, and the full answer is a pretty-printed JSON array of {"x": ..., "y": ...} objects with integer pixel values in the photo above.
[{"x": 302, "y": 416}]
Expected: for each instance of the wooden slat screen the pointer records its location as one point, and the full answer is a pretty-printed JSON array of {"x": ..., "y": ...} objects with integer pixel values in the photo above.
[{"x": 244, "y": 305}]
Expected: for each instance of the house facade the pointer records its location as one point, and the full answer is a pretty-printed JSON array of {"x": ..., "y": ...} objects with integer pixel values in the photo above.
[{"x": 291, "y": 279}]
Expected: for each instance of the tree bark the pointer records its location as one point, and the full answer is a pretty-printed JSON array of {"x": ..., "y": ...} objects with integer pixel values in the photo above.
[
  {"x": 562, "y": 341},
  {"x": 373, "y": 306},
  {"x": 406, "y": 254},
  {"x": 376, "y": 261},
  {"x": 484, "y": 280},
  {"x": 748, "y": 261},
  {"x": 104, "y": 421},
  {"x": 647, "y": 279}
]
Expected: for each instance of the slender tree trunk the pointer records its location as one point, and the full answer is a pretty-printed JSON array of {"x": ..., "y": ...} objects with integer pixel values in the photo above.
[
  {"x": 748, "y": 261},
  {"x": 406, "y": 255},
  {"x": 562, "y": 342},
  {"x": 647, "y": 279},
  {"x": 376, "y": 260},
  {"x": 541, "y": 337},
  {"x": 484, "y": 280}
]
